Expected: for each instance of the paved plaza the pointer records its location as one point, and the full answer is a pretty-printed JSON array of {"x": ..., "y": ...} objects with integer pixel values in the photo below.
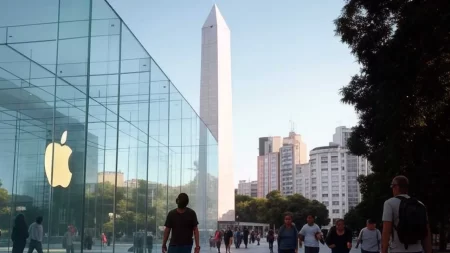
[
  {"x": 264, "y": 248},
  {"x": 123, "y": 248}
]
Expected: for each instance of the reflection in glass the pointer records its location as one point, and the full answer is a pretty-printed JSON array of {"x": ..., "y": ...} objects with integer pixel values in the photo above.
[{"x": 95, "y": 137}]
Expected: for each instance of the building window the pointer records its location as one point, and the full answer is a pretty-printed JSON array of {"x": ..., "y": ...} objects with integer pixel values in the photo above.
[
  {"x": 335, "y": 203},
  {"x": 324, "y": 188},
  {"x": 325, "y": 203},
  {"x": 335, "y": 195},
  {"x": 335, "y": 210},
  {"x": 324, "y": 195},
  {"x": 313, "y": 188},
  {"x": 334, "y": 169}
]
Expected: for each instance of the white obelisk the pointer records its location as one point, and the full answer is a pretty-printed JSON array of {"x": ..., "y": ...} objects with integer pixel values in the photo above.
[{"x": 216, "y": 104}]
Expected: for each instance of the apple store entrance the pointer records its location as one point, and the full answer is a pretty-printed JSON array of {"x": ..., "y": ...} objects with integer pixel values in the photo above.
[{"x": 94, "y": 137}]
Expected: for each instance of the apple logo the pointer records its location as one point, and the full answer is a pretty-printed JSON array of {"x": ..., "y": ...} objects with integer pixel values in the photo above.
[{"x": 60, "y": 175}]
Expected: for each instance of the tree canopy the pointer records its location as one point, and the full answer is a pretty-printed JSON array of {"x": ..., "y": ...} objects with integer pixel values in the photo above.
[
  {"x": 272, "y": 208},
  {"x": 402, "y": 97}
]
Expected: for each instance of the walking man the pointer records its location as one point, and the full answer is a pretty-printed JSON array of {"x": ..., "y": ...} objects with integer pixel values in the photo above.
[
  {"x": 228, "y": 240},
  {"x": 246, "y": 234},
  {"x": 68, "y": 241},
  {"x": 36, "y": 232},
  {"x": 369, "y": 238},
  {"x": 310, "y": 235},
  {"x": 405, "y": 222},
  {"x": 183, "y": 224}
]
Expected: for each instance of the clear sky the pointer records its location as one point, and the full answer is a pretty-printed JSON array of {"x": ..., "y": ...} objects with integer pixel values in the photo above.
[{"x": 287, "y": 64}]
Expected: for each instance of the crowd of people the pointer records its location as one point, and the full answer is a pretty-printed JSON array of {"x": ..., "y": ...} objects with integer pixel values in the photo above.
[
  {"x": 404, "y": 222},
  {"x": 405, "y": 230},
  {"x": 236, "y": 237}
]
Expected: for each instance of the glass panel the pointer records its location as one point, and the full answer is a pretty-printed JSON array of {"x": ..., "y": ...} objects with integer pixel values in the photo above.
[{"x": 95, "y": 137}]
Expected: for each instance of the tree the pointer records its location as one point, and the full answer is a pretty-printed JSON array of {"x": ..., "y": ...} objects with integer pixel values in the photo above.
[
  {"x": 402, "y": 97},
  {"x": 272, "y": 209}
]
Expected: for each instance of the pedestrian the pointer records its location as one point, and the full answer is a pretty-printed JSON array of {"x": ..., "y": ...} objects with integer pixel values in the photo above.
[
  {"x": 287, "y": 236},
  {"x": 339, "y": 238},
  {"x": 310, "y": 235},
  {"x": 228, "y": 240},
  {"x": 182, "y": 224},
  {"x": 270, "y": 239},
  {"x": 149, "y": 241},
  {"x": 405, "y": 221},
  {"x": 36, "y": 232},
  {"x": 19, "y": 234},
  {"x": 68, "y": 241},
  {"x": 246, "y": 234},
  {"x": 218, "y": 239},
  {"x": 369, "y": 238},
  {"x": 104, "y": 239}
]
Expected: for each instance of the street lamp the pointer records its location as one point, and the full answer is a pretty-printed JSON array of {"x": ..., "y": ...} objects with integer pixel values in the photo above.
[{"x": 237, "y": 218}]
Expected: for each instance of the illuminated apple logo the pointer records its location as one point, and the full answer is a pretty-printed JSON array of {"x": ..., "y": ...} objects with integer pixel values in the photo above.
[{"x": 60, "y": 175}]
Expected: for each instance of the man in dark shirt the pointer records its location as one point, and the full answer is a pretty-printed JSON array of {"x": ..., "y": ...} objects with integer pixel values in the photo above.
[
  {"x": 246, "y": 233},
  {"x": 182, "y": 222},
  {"x": 228, "y": 239}
]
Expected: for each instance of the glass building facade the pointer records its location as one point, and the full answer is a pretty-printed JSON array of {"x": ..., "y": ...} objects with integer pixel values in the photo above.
[{"x": 94, "y": 136}]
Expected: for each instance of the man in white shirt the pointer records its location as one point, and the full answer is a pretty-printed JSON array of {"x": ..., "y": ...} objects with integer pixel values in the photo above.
[
  {"x": 310, "y": 235},
  {"x": 369, "y": 238},
  {"x": 391, "y": 221},
  {"x": 36, "y": 232}
]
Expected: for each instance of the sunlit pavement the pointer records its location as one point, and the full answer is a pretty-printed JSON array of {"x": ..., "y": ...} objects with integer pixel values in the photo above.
[
  {"x": 264, "y": 248},
  {"x": 123, "y": 248}
]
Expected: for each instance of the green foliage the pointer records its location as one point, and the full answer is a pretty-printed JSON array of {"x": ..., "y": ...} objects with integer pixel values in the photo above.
[
  {"x": 272, "y": 209},
  {"x": 402, "y": 97}
]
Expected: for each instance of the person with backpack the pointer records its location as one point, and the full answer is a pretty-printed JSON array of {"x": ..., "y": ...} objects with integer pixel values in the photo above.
[
  {"x": 287, "y": 236},
  {"x": 270, "y": 239},
  {"x": 369, "y": 238},
  {"x": 310, "y": 234},
  {"x": 405, "y": 221}
]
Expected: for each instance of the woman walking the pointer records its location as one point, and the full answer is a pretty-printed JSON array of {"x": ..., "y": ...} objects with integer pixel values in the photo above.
[
  {"x": 19, "y": 234},
  {"x": 271, "y": 239},
  {"x": 339, "y": 238},
  {"x": 287, "y": 236}
]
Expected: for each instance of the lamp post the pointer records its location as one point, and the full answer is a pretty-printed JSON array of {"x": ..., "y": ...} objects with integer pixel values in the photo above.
[{"x": 237, "y": 218}]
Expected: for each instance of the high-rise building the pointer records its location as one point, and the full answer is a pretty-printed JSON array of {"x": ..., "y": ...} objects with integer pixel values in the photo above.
[
  {"x": 268, "y": 165},
  {"x": 276, "y": 163},
  {"x": 249, "y": 188},
  {"x": 341, "y": 136},
  {"x": 292, "y": 154},
  {"x": 331, "y": 177},
  {"x": 216, "y": 103}
]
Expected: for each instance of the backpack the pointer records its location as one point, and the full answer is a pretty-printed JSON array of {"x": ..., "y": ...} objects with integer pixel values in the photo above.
[
  {"x": 412, "y": 221},
  {"x": 281, "y": 230}
]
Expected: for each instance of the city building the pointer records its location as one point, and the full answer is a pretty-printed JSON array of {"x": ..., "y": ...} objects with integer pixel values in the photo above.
[
  {"x": 268, "y": 165},
  {"x": 341, "y": 136},
  {"x": 80, "y": 97},
  {"x": 216, "y": 102},
  {"x": 292, "y": 153},
  {"x": 277, "y": 161},
  {"x": 331, "y": 177},
  {"x": 111, "y": 177},
  {"x": 249, "y": 188}
]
